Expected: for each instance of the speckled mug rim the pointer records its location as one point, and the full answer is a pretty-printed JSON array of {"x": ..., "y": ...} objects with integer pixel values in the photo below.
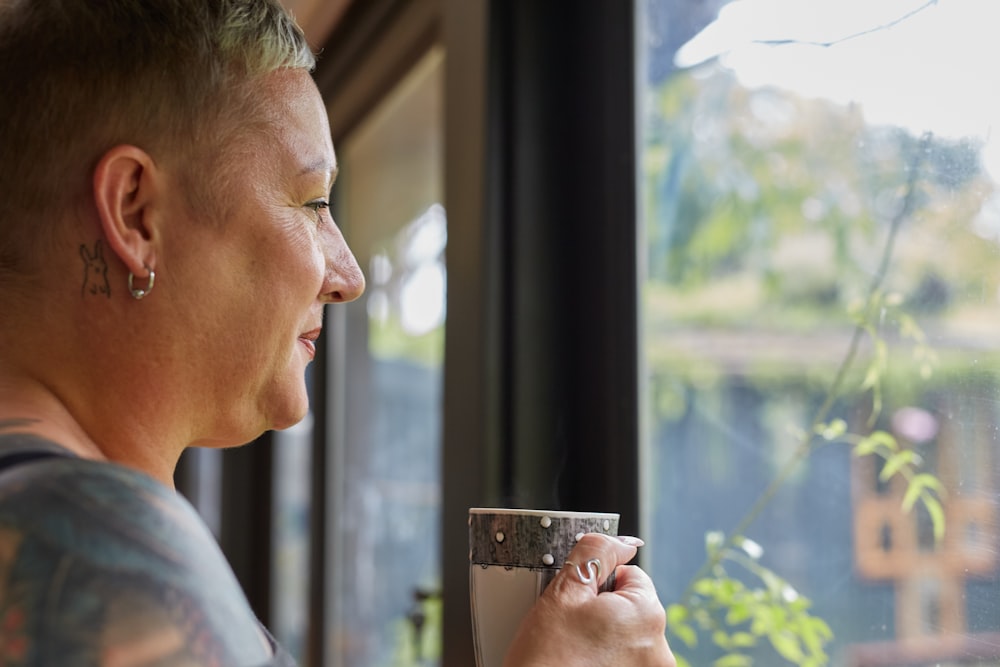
[{"x": 531, "y": 538}]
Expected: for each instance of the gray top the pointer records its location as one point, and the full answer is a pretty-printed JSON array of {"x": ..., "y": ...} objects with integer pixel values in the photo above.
[{"x": 97, "y": 559}]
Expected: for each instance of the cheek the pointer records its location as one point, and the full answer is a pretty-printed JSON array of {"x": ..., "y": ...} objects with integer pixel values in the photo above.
[
  {"x": 291, "y": 289},
  {"x": 300, "y": 238},
  {"x": 309, "y": 264}
]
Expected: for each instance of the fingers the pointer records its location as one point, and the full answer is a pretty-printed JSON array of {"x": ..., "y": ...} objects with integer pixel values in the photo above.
[
  {"x": 635, "y": 585},
  {"x": 588, "y": 566},
  {"x": 575, "y": 624},
  {"x": 635, "y": 581}
]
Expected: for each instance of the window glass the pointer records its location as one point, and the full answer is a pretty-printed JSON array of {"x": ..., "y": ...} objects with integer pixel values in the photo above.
[
  {"x": 290, "y": 511},
  {"x": 385, "y": 506},
  {"x": 821, "y": 300}
]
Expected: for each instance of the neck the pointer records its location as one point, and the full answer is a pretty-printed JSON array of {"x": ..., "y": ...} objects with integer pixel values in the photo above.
[
  {"x": 97, "y": 374},
  {"x": 27, "y": 405}
]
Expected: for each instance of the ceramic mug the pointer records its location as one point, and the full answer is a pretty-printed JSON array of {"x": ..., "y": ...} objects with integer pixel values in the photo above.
[{"x": 513, "y": 555}]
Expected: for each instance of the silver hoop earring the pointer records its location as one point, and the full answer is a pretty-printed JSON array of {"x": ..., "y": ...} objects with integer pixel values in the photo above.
[{"x": 140, "y": 293}]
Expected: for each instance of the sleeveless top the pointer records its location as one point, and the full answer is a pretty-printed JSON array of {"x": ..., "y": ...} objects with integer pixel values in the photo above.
[{"x": 83, "y": 527}]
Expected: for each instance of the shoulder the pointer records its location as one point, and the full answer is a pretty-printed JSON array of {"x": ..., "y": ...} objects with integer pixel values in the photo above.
[{"x": 102, "y": 565}]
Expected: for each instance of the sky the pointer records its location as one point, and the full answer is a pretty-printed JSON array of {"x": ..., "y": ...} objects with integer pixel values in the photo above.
[{"x": 926, "y": 66}]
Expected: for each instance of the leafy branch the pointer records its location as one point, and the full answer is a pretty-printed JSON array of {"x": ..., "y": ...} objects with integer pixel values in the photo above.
[
  {"x": 905, "y": 463},
  {"x": 713, "y": 600},
  {"x": 739, "y": 617}
]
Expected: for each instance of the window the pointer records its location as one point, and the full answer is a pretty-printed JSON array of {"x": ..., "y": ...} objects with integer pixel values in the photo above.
[
  {"x": 290, "y": 514},
  {"x": 821, "y": 300},
  {"x": 384, "y": 530}
]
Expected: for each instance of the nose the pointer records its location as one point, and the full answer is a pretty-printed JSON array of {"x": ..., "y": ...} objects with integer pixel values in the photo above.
[{"x": 343, "y": 280}]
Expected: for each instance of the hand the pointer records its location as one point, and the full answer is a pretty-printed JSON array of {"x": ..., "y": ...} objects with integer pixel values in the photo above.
[{"x": 572, "y": 625}]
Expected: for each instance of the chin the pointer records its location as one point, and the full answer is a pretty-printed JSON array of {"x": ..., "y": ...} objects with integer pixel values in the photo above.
[
  {"x": 282, "y": 424},
  {"x": 288, "y": 412},
  {"x": 282, "y": 402}
]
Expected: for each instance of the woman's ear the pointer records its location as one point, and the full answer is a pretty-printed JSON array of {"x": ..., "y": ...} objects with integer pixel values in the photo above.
[{"x": 125, "y": 183}]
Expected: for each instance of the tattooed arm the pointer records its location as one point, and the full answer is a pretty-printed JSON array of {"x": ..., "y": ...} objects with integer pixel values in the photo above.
[{"x": 101, "y": 565}]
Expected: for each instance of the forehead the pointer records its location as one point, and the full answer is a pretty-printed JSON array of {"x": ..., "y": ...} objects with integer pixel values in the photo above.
[{"x": 293, "y": 118}]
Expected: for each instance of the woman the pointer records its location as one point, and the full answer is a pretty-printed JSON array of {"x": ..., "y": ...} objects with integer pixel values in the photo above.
[{"x": 166, "y": 252}]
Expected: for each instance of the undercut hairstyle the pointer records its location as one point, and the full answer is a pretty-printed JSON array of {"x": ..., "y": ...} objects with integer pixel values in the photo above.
[{"x": 78, "y": 77}]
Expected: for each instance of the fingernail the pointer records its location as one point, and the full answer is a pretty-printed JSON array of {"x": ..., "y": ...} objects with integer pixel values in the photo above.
[{"x": 631, "y": 541}]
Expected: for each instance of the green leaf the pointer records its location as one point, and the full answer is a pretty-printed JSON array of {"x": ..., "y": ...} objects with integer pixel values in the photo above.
[
  {"x": 872, "y": 376},
  {"x": 727, "y": 590},
  {"x": 733, "y": 660},
  {"x": 714, "y": 540},
  {"x": 777, "y": 619},
  {"x": 786, "y": 644},
  {"x": 743, "y": 640},
  {"x": 876, "y": 441},
  {"x": 876, "y": 404},
  {"x": 908, "y": 328},
  {"x": 931, "y": 482},
  {"x": 774, "y": 583},
  {"x": 799, "y": 603},
  {"x": 681, "y": 661},
  {"x": 895, "y": 463},
  {"x": 685, "y": 633},
  {"x": 881, "y": 353},
  {"x": 936, "y": 512},
  {"x": 677, "y": 624},
  {"x": 814, "y": 633},
  {"x": 721, "y": 639},
  {"x": 738, "y": 613},
  {"x": 913, "y": 492},
  {"x": 822, "y": 629},
  {"x": 677, "y": 614},
  {"x": 917, "y": 486},
  {"x": 705, "y": 587},
  {"x": 833, "y": 430}
]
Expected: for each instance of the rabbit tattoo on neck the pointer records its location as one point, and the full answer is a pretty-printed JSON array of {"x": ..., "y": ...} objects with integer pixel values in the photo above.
[{"x": 95, "y": 271}]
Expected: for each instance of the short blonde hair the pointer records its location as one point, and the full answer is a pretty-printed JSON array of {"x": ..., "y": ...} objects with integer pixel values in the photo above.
[{"x": 77, "y": 77}]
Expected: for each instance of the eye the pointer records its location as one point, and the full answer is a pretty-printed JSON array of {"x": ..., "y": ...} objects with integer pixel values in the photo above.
[{"x": 317, "y": 206}]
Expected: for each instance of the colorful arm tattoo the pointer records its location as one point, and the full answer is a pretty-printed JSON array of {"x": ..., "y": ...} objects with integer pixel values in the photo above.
[{"x": 101, "y": 565}]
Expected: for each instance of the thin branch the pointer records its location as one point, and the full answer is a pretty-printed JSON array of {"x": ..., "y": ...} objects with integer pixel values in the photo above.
[
  {"x": 884, "y": 26},
  {"x": 805, "y": 446}
]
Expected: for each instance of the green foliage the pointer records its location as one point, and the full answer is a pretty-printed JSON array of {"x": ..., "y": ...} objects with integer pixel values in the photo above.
[
  {"x": 790, "y": 213},
  {"x": 782, "y": 227},
  {"x": 898, "y": 462},
  {"x": 737, "y": 616},
  {"x": 413, "y": 647},
  {"x": 888, "y": 308},
  {"x": 389, "y": 341}
]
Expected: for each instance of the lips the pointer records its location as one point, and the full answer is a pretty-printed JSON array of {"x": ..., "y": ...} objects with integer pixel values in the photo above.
[{"x": 308, "y": 341}]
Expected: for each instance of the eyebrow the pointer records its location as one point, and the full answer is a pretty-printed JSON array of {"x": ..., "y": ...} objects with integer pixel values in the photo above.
[{"x": 322, "y": 166}]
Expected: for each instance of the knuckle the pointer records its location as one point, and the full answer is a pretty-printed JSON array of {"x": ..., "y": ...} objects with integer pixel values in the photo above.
[{"x": 594, "y": 541}]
